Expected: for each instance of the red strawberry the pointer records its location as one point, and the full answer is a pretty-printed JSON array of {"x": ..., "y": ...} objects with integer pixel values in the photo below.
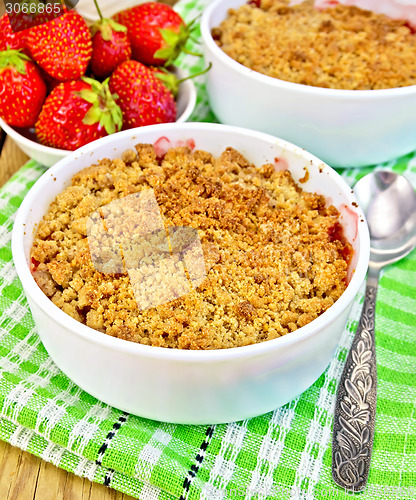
[
  {"x": 76, "y": 113},
  {"x": 157, "y": 33},
  {"x": 10, "y": 39},
  {"x": 142, "y": 97},
  {"x": 110, "y": 45},
  {"x": 22, "y": 90},
  {"x": 62, "y": 47}
]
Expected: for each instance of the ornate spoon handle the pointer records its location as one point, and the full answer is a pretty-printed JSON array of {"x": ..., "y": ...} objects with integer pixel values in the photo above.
[{"x": 355, "y": 407}]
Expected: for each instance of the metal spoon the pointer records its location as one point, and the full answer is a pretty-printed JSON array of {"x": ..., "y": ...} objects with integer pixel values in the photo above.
[{"x": 389, "y": 202}]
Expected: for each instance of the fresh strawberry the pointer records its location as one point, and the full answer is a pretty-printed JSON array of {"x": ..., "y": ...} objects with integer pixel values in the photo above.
[
  {"x": 142, "y": 97},
  {"x": 76, "y": 113},
  {"x": 110, "y": 45},
  {"x": 109, "y": 49},
  {"x": 22, "y": 89},
  {"x": 157, "y": 33},
  {"x": 10, "y": 39},
  {"x": 62, "y": 47}
]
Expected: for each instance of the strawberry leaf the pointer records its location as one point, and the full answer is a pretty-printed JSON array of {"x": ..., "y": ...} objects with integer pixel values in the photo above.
[
  {"x": 89, "y": 96},
  {"x": 174, "y": 44},
  {"x": 117, "y": 116},
  {"x": 168, "y": 79},
  {"x": 107, "y": 122},
  {"x": 104, "y": 109},
  {"x": 93, "y": 115},
  {"x": 170, "y": 37},
  {"x": 116, "y": 26},
  {"x": 15, "y": 59},
  {"x": 106, "y": 31}
]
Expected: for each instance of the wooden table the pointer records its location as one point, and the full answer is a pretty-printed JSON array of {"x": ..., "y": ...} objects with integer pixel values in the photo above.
[{"x": 22, "y": 475}]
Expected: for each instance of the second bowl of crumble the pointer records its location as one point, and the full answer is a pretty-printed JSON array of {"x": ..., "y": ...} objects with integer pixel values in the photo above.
[{"x": 339, "y": 82}]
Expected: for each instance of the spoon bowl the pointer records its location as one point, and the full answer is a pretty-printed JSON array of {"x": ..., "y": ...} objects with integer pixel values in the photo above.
[{"x": 389, "y": 203}]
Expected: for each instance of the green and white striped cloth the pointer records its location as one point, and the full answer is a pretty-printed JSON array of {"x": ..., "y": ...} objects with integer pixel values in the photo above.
[{"x": 285, "y": 454}]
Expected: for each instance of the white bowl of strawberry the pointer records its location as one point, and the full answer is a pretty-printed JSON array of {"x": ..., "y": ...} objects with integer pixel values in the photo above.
[{"x": 64, "y": 84}]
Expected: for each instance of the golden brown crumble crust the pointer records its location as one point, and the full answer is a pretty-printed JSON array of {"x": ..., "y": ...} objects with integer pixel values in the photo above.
[
  {"x": 341, "y": 47},
  {"x": 271, "y": 264}
]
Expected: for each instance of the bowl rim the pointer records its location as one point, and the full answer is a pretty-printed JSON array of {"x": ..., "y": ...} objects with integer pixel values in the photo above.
[
  {"x": 34, "y": 145},
  {"x": 181, "y": 355},
  {"x": 273, "y": 82},
  {"x": 61, "y": 153}
]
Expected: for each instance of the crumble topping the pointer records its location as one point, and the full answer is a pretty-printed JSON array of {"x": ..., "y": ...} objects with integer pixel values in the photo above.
[
  {"x": 341, "y": 47},
  {"x": 273, "y": 261}
]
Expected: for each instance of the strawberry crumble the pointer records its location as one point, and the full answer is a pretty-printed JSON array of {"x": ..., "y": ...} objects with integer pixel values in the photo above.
[
  {"x": 273, "y": 261},
  {"x": 340, "y": 47}
]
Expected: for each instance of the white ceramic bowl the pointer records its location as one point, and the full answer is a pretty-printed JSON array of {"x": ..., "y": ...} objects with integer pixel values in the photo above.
[
  {"x": 194, "y": 387},
  {"x": 345, "y": 128},
  {"x": 48, "y": 156}
]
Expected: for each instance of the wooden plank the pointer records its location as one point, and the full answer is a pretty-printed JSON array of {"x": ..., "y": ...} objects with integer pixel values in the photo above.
[
  {"x": 54, "y": 483},
  {"x": 77, "y": 488},
  {"x": 11, "y": 159},
  {"x": 26, "y": 477},
  {"x": 18, "y": 473},
  {"x": 9, "y": 459},
  {"x": 51, "y": 482}
]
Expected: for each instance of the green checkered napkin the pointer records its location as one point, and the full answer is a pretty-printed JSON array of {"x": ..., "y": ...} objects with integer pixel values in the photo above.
[{"x": 283, "y": 454}]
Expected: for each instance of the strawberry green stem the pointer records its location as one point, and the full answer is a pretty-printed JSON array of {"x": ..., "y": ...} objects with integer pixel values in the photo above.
[
  {"x": 195, "y": 40},
  {"x": 197, "y": 54},
  {"x": 202, "y": 72},
  {"x": 106, "y": 26},
  {"x": 171, "y": 81},
  {"x": 98, "y": 10}
]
